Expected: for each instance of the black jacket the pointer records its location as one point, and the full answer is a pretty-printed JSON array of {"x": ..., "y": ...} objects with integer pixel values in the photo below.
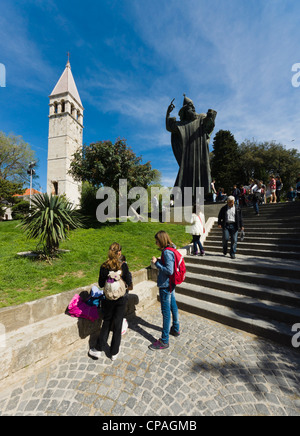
[
  {"x": 222, "y": 219},
  {"x": 126, "y": 275}
]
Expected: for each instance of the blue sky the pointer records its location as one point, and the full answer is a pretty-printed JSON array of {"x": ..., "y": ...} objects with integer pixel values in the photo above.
[{"x": 130, "y": 58}]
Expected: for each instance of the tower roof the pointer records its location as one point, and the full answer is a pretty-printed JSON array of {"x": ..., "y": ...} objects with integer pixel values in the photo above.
[{"x": 66, "y": 83}]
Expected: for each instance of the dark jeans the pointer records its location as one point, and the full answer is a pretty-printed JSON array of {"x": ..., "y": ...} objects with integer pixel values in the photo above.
[
  {"x": 230, "y": 231},
  {"x": 278, "y": 195},
  {"x": 113, "y": 314},
  {"x": 255, "y": 205},
  {"x": 196, "y": 242}
]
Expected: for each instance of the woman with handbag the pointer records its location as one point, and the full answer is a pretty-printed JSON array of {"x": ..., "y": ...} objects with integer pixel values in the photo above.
[{"x": 115, "y": 279}]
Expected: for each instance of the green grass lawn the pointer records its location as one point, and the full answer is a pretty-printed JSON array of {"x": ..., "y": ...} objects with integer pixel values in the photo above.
[{"x": 25, "y": 279}]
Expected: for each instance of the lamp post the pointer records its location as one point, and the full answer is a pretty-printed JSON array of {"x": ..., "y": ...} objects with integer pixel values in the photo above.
[{"x": 31, "y": 172}]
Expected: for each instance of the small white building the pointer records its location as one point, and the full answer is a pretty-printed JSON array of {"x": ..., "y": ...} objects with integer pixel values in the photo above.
[{"x": 65, "y": 136}]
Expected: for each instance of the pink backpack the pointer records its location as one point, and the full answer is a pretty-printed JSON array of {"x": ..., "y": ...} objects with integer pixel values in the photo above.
[{"x": 79, "y": 309}]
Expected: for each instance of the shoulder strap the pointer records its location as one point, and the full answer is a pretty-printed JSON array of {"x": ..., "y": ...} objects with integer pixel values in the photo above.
[{"x": 167, "y": 248}]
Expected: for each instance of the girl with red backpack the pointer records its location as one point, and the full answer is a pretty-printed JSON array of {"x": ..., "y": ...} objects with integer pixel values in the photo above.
[{"x": 166, "y": 284}]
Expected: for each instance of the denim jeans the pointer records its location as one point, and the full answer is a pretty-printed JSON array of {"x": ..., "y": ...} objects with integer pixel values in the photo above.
[
  {"x": 168, "y": 307},
  {"x": 230, "y": 231},
  {"x": 196, "y": 244},
  {"x": 255, "y": 205}
]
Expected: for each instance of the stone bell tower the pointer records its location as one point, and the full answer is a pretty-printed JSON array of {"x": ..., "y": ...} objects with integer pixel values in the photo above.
[{"x": 65, "y": 136}]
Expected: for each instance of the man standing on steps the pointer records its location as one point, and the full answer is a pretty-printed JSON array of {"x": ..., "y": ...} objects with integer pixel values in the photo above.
[{"x": 231, "y": 221}]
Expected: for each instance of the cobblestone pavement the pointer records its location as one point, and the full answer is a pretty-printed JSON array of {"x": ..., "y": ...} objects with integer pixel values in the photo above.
[{"x": 209, "y": 370}]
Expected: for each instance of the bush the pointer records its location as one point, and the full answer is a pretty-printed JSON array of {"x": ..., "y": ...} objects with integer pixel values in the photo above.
[
  {"x": 20, "y": 209},
  {"x": 50, "y": 219}
]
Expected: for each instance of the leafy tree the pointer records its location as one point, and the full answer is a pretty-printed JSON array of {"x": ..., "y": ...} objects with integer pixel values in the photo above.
[
  {"x": 259, "y": 160},
  {"x": 50, "y": 219},
  {"x": 104, "y": 164},
  {"x": 8, "y": 189},
  {"x": 225, "y": 165},
  {"x": 88, "y": 201},
  {"x": 15, "y": 156}
]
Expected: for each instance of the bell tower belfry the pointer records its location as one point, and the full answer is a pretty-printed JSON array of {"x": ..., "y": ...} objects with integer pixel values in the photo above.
[{"x": 65, "y": 136}]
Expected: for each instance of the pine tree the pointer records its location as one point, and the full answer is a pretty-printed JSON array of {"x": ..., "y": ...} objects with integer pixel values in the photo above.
[{"x": 225, "y": 161}]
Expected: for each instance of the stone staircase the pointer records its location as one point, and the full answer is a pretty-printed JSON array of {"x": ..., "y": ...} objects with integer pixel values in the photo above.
[{"x": 259, "y": 291}]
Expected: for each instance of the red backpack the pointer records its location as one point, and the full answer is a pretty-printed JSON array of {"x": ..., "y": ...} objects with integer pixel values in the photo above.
[{"x": 178, "y": 275}]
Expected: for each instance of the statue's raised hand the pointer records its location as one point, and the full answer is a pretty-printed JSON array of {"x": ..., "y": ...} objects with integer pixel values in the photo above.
[{"x": 171, "y": 107}]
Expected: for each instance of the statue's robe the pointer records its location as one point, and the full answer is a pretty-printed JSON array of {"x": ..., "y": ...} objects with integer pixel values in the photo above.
[{"x": 190, "y": 142}]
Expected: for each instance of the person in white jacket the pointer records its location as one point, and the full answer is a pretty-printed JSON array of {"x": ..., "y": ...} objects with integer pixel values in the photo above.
[{"x": 197, "y": 229}]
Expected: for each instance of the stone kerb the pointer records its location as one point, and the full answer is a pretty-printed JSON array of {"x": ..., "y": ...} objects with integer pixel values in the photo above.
[{"x": 16, "y": 317}]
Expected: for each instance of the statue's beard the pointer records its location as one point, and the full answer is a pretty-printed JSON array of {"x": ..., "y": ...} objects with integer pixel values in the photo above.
[{"x": 187, "y": 115}]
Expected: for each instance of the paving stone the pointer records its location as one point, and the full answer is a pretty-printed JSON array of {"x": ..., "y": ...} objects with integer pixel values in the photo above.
[{"x": 209, "y": 370}]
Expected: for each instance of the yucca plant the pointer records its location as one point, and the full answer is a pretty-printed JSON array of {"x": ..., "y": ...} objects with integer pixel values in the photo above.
[{"x": 50, "y": 219}]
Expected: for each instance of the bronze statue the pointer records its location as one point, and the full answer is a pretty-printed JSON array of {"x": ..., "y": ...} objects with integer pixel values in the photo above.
[{"x": 190, "y": 139}]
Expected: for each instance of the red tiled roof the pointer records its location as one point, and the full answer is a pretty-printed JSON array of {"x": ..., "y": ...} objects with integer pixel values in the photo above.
[{"x": 27, "y": 192}]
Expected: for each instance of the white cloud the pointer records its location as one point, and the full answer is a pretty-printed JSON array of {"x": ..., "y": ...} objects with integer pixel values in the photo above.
[{"x": 26, "y": 67}]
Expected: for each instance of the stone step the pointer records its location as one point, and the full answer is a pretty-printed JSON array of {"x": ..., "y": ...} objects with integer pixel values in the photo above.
[
  {"x": 262, "y": 217},
  {"x": 248, "y": 277},
  {"x": 271, "y": 226},
  {"x": 251, "y": 238},
  {"x": 292, "y": 255},
  {"x": 263, "y": 308},
  {"x": 244, "y": 264},
  {"x": 242, "y": 320},
  {"x": 242, "y": 288},
  {"x": 291, "y": 231},
  {"x": 263, "y": 214},
  {"x": 246, "y": 244},
  {"x": 285, "y": 208},
  {"x": 266, "y": 223}
]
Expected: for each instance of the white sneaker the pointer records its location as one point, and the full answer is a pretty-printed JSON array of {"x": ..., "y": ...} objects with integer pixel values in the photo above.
[
  {"x": 124, "y": 326},
  {"x": 114, "y": 357},
  {"x": 94, "y": 353}
]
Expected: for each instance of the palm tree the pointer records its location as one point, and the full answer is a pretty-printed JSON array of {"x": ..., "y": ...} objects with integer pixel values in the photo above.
[{"x": 50, "y": 219}]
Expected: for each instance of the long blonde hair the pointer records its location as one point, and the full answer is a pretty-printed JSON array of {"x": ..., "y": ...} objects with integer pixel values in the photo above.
[
  {"x": 163, "y": 239},
  {"x": 113, "y": 262}
]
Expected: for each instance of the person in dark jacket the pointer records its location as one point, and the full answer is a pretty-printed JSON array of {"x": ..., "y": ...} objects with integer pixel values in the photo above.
[
  {"x": 231, "y": 221},
  {"x": 113, "y": 310}
]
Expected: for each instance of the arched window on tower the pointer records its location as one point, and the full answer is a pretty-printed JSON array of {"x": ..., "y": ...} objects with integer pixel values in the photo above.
[
  {"x": 54, "y": 188},
  {"x": 55, "y": 108},
  {"x": 63, "y": 106}
]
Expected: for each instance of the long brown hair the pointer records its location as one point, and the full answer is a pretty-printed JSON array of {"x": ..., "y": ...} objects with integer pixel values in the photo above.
[
  {"x": 113, "y": 262},
  {"x": 163, "y": 239}
]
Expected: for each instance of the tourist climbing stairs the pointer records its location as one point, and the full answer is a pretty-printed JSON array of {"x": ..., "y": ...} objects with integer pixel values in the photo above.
[{"x": 259, "y": 291}]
